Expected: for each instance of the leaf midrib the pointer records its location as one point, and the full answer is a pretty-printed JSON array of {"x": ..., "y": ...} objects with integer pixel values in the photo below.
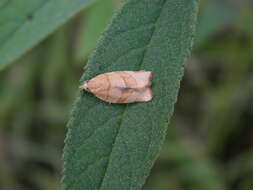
[{"x": 126, "y": 106}]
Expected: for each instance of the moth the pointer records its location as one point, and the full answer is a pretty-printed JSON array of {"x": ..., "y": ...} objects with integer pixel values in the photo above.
[{"x": 121, "y": 86}]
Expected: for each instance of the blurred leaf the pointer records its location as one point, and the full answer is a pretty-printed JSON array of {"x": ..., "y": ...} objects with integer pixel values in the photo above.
[
  {"x": 19, "y": 80},
  {"x": 215, "y": 15},
  {"x": 193, "y": 170},
  {"x": 58, "y": 72},
  {"x": 241, "y": 167},
  {"x": 113, "y": 146},
  {"x": 96, "y": 19},
  {"x": 45, "y": 181},
  {"x": 228, "y": 101},
  {"x": 245, "y": 22},
  {"x": 25, "y": 23}
]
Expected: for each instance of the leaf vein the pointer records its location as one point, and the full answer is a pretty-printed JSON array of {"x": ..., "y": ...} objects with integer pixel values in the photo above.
[
  {"x": 91, "y": 135},
  {"x": 85, "y": 169},
  {"x": 126, "y": 107},
  {"x": 109, "y": 156}
]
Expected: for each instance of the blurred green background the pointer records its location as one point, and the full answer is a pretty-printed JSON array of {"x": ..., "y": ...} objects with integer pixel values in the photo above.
[{"x": 210, "y": 137}]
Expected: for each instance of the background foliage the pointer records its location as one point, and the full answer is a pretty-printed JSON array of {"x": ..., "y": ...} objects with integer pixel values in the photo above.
[{"x": 209, "y": 143}]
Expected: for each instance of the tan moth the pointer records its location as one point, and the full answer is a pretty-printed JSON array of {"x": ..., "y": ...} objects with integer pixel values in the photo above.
[{"x": 121, "y": 86}]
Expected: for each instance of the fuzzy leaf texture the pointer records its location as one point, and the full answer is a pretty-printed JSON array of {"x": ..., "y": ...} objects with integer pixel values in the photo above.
[
  {"x": 23, "y": 23},
  {"x": 113, "y": 146}
]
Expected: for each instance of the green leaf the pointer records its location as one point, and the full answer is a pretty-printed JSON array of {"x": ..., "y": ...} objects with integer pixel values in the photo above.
[
  {"x": 96, "y": 19},
  {"x": 24, "y": 23},
  {"x": 113, "y": 146}
]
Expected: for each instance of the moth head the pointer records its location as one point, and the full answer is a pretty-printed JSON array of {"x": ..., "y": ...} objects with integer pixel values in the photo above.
[
  {"x": 85, "y": 86},
  {"x": 98, "y": 84}
]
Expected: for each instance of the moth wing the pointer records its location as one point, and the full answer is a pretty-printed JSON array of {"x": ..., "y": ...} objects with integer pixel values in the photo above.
[
  {"x": 116, "y": 95},
  {"x": 142, "y": 78},
  {"x": 121, "y": 86},
  {"x": 145, "y": 96}
]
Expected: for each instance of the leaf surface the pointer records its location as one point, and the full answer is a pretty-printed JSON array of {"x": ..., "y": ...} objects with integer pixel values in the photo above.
[
  {"x": 24, "y": 23},
  {"x": 113, "y": 146}
]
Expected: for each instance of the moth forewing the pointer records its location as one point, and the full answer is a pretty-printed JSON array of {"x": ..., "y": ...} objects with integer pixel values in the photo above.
[
  {"x": 121, "y": 86},
  {"x": 143, "y": 78}
]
